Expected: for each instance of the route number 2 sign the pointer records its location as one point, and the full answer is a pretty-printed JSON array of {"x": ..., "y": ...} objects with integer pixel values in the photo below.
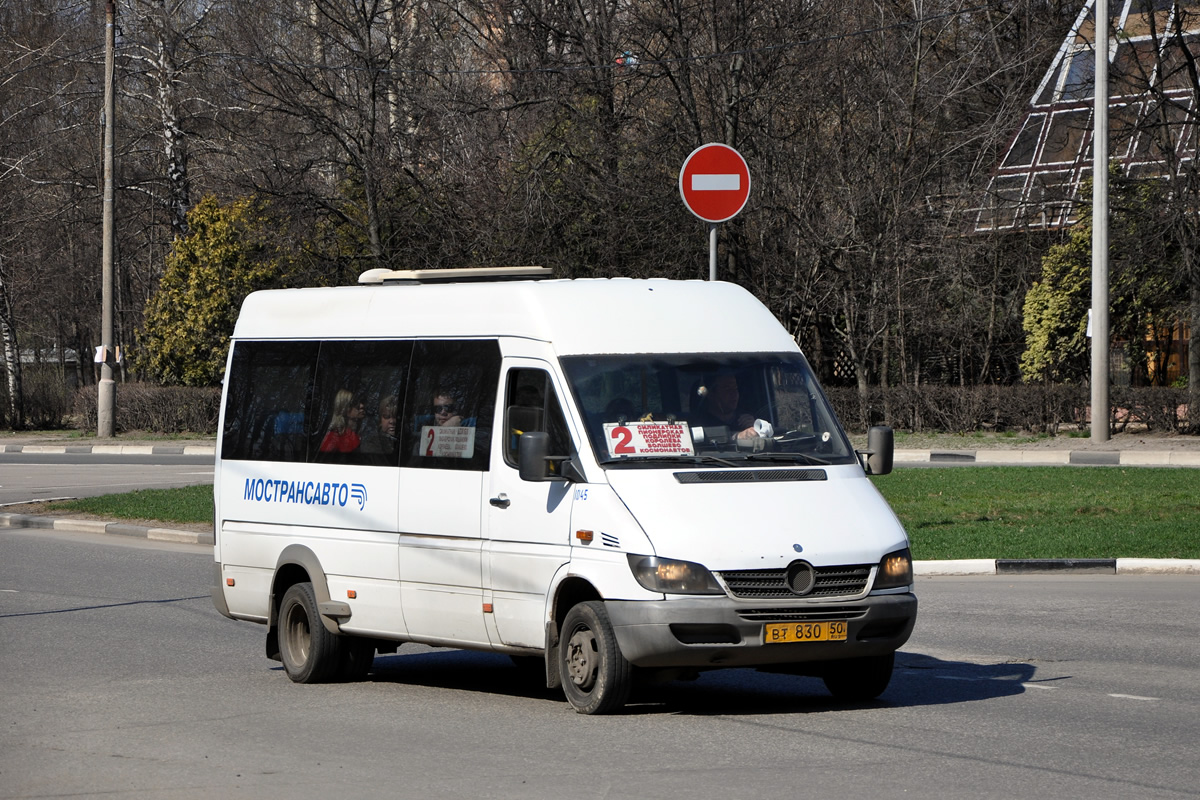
[{"x": 649, "y": 439}]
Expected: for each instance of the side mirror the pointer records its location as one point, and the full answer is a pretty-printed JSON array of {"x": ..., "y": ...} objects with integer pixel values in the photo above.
[
  {"x": 534, "y": 462},
  {"x": 532, "y": 450},
  {"x": 881, "y": 450}
]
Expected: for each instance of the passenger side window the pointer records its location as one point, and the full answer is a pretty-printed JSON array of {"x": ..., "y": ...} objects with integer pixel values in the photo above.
[
  {"x": 450, "y": 404},
  {"x": 356, "y": 402},
  {"x": 266, "y": 408},
  {"x": 531, "y": 404}
]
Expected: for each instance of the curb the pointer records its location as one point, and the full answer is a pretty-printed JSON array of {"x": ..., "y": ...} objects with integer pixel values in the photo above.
[
  {"x": 1060, "y": 566},
  {"x": 113, "y": 449},
  {"x": 1078, "y": 458},
  {"x": 100, "y": 526},
  {"x": 978, "y": 566}
]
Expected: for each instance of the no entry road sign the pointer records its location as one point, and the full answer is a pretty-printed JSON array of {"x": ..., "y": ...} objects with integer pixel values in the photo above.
[{"x": 714, "y": 182}]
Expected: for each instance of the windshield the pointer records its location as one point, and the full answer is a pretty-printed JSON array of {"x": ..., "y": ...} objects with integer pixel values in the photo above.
[{"x": 705, "y": 408}]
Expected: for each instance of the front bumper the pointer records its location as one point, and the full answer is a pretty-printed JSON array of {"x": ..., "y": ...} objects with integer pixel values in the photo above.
[{"x": 709, "y": 632}]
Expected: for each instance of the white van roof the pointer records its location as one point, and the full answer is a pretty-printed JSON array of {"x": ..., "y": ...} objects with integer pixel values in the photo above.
[{"x": 580, "y": 316}]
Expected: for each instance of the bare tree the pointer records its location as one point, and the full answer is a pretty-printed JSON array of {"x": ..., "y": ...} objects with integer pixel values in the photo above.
[{"x": 167, "y": 44}]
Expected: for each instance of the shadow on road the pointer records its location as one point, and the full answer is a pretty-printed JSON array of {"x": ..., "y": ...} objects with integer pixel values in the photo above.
[{"x": 918, "y": 680}]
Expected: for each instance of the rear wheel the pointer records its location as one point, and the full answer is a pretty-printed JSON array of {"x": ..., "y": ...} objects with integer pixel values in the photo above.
[
  {"x": 596, "y": 678},
  {"x": 310, "y": 653},
  {"x": 860, "y": 679}
]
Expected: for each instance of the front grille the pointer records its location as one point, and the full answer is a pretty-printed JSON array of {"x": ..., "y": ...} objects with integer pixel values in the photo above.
[
  {"x": 819, "y": 614},
  {"x": 830, "y": 582}
]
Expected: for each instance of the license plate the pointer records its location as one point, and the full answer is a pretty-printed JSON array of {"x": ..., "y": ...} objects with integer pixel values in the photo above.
[{"x": 781, "y": 632}]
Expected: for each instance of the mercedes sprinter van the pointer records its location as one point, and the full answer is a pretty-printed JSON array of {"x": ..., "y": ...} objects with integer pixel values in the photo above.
[{"x": 617, "y": 479}]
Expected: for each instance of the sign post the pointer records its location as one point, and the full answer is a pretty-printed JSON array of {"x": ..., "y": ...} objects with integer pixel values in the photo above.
[
  {"x": 715, "y": 185},
  {"x": 1099, "y": 313}
]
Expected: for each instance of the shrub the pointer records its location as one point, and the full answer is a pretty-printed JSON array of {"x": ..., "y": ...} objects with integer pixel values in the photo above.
[
  {"x": 161, "y": 409},
  {"x": 47, "y": 398},
  {"x": 1032, "y": 408}
]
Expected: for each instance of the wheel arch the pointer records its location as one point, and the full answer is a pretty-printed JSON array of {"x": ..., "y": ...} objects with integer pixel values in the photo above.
[
  {"x": 569, "y": 593},
  {"x": 564, "y": 594},
  {"x": 297, "y": 564}
]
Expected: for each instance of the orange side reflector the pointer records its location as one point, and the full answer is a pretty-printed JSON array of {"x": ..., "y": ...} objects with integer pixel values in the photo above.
[
  {"x": 583, "y": 536},
  {"x": 229, "y": 581},
  {"x": 487, "y": 608},
  {"x": 351, "y": 594}
]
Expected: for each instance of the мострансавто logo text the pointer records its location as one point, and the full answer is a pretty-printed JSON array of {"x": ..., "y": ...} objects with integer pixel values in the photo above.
[{"x": 309, "y": 493}]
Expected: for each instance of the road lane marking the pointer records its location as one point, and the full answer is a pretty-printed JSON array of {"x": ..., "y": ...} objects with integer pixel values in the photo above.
[{"x": 1132, "y": 697}]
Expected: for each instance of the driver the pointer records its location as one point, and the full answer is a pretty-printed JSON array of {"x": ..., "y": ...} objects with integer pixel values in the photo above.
[{"x": 720, "y": 406}]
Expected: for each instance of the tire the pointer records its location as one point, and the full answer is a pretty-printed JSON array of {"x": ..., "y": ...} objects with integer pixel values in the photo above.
[
  {"x": 357, "y": 656},
  {"x": 596, "y": 678},
  {"x": 860, "y": 679},
  {"x": 310, "y": 654}
]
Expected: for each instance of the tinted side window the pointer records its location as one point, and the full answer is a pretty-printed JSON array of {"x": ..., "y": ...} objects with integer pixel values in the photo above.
[
  {"x": 266, "y": 412},
  {"x": 356, "y": 402},
  {"x": 451, "y": 400},
  {"x": 531, "y": 404}
]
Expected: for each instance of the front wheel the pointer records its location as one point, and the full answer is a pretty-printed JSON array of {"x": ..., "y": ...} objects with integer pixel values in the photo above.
[
  {"x": 860, "y": 679},
  {"x": 310, "y": 654},
  {"x": 596, "y": 678}
]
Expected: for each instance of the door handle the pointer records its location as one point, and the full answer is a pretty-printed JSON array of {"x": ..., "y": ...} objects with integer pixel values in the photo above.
[{"x": 501, "y": 501}]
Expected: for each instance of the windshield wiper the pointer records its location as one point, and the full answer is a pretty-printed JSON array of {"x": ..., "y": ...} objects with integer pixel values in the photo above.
[{"x": 807, "y": 459}]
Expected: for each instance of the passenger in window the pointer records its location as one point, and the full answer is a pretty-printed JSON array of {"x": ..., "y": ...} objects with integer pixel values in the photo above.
[
  {"x": 383, "y": 441},
  {"x": 720, "y": 398},
  {"x": 446, "y": 410},
  {"x": 348, "y": 414}
]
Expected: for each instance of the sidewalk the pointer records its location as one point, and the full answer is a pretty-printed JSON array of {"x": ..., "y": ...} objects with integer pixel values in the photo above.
[
  {"x": 52, "y": 444},
  {"x": 1126, "y": 450}
]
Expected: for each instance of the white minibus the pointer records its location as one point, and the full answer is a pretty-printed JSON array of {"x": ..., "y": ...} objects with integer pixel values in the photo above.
[{"x": 624, "y": 480}]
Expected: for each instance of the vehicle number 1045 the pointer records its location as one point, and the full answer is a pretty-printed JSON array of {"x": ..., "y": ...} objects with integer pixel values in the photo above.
[{"x": 780, "y": 632}]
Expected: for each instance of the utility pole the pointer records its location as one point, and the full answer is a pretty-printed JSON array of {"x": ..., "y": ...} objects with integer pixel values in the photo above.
[
  {"x": 1099, "y": 430},
  {"x": 106, "y": 399}
]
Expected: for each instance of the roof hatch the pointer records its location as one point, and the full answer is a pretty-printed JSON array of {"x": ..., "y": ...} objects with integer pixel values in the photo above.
[{"x": 376, "y": 277}]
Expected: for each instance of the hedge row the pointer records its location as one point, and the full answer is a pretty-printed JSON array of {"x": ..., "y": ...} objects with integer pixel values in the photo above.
[
  {"x": 1036, "y": 409},
  {"x": 926, "y": 409},
  {"x": 48, "y": 399},
  {"x": 160, "y": 409}
]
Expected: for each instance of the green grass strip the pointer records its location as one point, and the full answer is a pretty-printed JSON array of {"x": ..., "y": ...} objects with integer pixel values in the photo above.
[
  {"x": 958, "y": 512},
  {"x": 191, "y": 504},
  {"x": 1047, "y": 512}
]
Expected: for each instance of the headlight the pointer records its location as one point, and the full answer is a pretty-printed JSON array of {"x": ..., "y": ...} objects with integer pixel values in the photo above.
[
  {"x": 895, "y": 570},
  {"x": 673, "y": 577}
]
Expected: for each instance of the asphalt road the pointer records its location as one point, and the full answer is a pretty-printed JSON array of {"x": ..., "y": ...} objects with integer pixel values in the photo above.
[
  {"x": 120, "y": 680},
  {"x": 26, "y": 477}
]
